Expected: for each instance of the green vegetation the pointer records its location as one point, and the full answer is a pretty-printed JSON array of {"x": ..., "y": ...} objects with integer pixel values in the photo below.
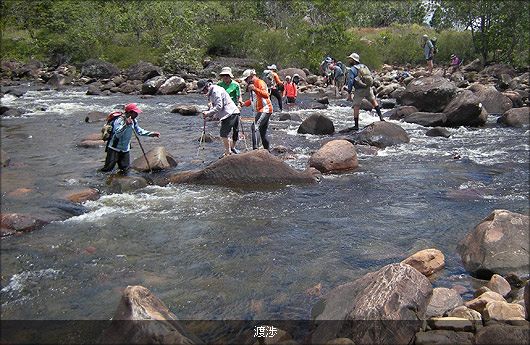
[{"x": 179, "y": 34}]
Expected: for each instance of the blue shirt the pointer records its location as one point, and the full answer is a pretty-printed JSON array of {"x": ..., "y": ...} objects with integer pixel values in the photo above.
[
  {"x": 122, "y": 134},
  {"x": 351, "y": 77}
]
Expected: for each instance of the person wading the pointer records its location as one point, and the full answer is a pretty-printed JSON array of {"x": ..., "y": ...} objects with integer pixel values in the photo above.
[
  {"x": 290, "y": 90},
  {"x": 223, "y": 109},
  {"x": 260, "y": 101},
  {"x": 361, "y": 78},
  {"x": 119, "y": 144},
  {"x": 277, "y": 85}
]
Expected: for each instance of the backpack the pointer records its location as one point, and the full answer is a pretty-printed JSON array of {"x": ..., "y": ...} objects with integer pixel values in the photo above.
[
  {"x": 267, "y": 78},
  {"x": 108, "y": 127},
  {"x": 364, "y": 78},
  {"x": 342, "y": 67},
  {"x": 434, "y": 49}
]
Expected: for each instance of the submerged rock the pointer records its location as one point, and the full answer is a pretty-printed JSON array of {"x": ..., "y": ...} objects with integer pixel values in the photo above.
[
  {"x": 12, "y": 223},
  {"x": 185, "y": 109},
  {"x": 381, "y": 134},
  {"x": 124, "y": 184},
  {"x": 438, "y": 132},
  {"x": 317, "y": 124},
  {"x": 426, "y": 119},
  {"x": 159, "y": 159},
  {"x": 83, "y": 195},
  {"x": 335, "y": 156}
]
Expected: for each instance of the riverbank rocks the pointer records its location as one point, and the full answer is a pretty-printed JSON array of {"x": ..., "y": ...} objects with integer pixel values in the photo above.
[
  {"x": 95, "y": 68},
  {"x": 83, "y": 195},
  {"x": 143, "y": 71},
  {"x": 335, "y": 156},
  {"x": 151, "y": 86},
  {"x": 254, "y": 169},
  {"x": 498, "y": 244},
  {"x": 438, "y": 132},
  {"x": 400, "y": 112},
  {"x": 499, "y": 285},
  {"x": 426, "y": 119},
  {"x": 502, "y": 334},
  {"x": 395, "y": 292},
  {"x": 428, "y": 94},
  {"x": 159, "y": 159},
  {"x": 380, "y": 134},
  {"x": 172, "y": 86},
  {"x": 491, "y": 99},
  {"x": 465, "y": 110},
  {"x": 501, "y": 311},
  {"x": 141, "y": 318},
  {"x": 124, "y": 184},
  {"x": 465, "y": 313},
  {"x": 317, "y": 124},
  {"x": 185, "y": 109},
  {"x": 427, "y": 261},
  {"x": 442, "y": 337},
  {"x": 516, "y": 117},
  {"x": 12, "y": 223},
  {"x": 480, "y": 302},
  {"x": 474, "y": 66},
  {"x": 442, "y": 301}
]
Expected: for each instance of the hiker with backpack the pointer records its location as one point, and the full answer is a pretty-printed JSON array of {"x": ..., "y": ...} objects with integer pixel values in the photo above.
[
  {"x": 360, "y": 78},
  {"x": 290, "y": 90},
  {"x": 428, "y": 52},
  {"x": 276, "y": 87},
  {"x": 118, "y": 132},
  {"x": 338, "y": 69}
]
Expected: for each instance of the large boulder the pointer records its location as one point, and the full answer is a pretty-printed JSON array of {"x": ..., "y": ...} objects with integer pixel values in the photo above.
[
  {"x": 12, "y": 223},
  {"x": 254, "y": 169},
  {"x": 442, "y": 301},
  {"x": 426, "y": 119},
  {"x": 362, "y": 309},
  {"x": 380, "y": 134},
  {"x": 498, "y": 244},
  {"x": 291, "y": 71},
  {"x": 317, "y": 124},
  {"x": 141, "y": 318},
  {"x": 400, "y": 112},
  {"x": 516, "y": 117},
  {"x": 151, "y": 86},
  {"x": 502, "y": 334},
  {"x": 143, "y": 71},
  {"x": 498, "y": 70},
  {"x": 159, "y": 159},
  {"x": 474, "y": 66},
  {"x": 95, "y": 68},
  {"x": 335, "y": 156},
  {"x": 501, "y": 310},
  {"x": 431, "y": 94},
  {"x": 427, "y": 261},
  {"x": 465, "y": 110},
  {"x": 491, "y": 99},
  {"x": 172, "y": 86},
  {"x": 499, "y": 285}
]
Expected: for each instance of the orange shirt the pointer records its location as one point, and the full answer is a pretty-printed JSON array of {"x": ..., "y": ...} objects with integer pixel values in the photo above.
[
  {"x": 289, "y": 89},
  {"x": 259, "y": 98}
]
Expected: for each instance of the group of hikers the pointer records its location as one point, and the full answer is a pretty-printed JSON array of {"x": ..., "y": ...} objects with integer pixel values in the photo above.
[{"x": 225, "y": 102}]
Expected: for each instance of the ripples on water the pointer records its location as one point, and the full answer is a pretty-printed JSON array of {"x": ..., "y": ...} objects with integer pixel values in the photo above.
[{"x": 219, "y": 253}]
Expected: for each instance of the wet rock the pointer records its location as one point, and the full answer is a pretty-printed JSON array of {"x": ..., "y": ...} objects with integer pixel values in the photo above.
[
  {"x": 172, "y": 86},
  {"x": 395, "y": 292},
  {"x": 322, "y": 100},
  {"x": 4, "y": 158},
  {"x": 465, "y": 110},
  {"x": 499, "y": 285},
  {"x": 442, "y": 337},
  {"x": 427, "y": 261},
  {"x": 129, "y": 87},
  {"x": 16, "y": 93},
  {"x": 93, "y": 90},
  {"x": 335, "y": 156},
  {"x": 452, "y": 324},
  {"x": 474, "y": 66},
  {"x": 100, "y": 69},
  {"x": 83, "y": 195},
  {"x": 91, "y": 143},
  {"x": 517, "y": 99},
  {"x": 516, "y": 117},
  {"x": 141, "y": 318},
  {"x": 442, "y": 301},
  {"x": 498, "y": 244},
  {"x": 481, "y": 301},
  {"x": 289, "y": 117},
  {"x": 11, "y": 112},
  {"x": 12, "y": 223},
  {"x": 501, "y": 310},
  {"x": 426, "y": 119},
  {"x": 151, "y": 86},
  {"x": 317, "y": 124},
  {"x": 502, "y": 334},
  {"x": 207, "y": 138},
  {"x": 381, "y": 134},
  {"x": 185, "y": 109},
  {"x": 159, "y": 159},
  {"x": 254, "y": 169},
  {"x": 429, "y": 94},
  {"x": 400, "y": 112},
  {"x": 438, "y": 132},
  {"x": 20, "y": 192},
  {"x": 492, "y": 100},
  {"x": 387, "y": 103},
  {"x": 317, "y": 106},
  {"x": 143, "y": 71},
  {"x": 96, "y": 116},
  {"x": 465, "y": 313},
  {"x": 124, "y": 184}
]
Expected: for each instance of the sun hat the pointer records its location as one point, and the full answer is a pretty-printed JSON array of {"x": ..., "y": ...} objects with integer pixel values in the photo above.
[
  {"x": 287, "y": 77},
  {"x": 247, "y": 73},
  {"x": 273, "y": 66},
  {"x": 226, "y": 71},
  {"x": 453, "y": 56},
  {"x": 132, "y": 107},
  {"x": 328, "y": 59},
  {"x": 354, "y": 57}
]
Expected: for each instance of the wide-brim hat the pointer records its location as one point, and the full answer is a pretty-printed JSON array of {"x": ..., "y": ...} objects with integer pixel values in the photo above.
[
  {"x": 273, "y": 66},
  {"x": 247, "y": 73},
  {"x": 354, "y": 57},
  {"x": 226, "y": 71}
]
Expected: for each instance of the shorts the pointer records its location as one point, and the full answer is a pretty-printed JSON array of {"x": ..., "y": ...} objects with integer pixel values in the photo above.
[
  {"x": 227, "y": 125},
  {"x": 291, "y": 99},
  {"x": 359, "y": 94}
]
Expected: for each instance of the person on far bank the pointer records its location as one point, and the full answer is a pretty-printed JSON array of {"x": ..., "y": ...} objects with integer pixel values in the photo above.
[
  {"x": 428, "y": 52},
  {"x": 223, "y": 109},
  {"x": 277, "y": 85},
  {"x": 455, "y": 64},
  {"x": 290, "y": 90},
  {"x": 119, "y": 143},
  {"x": 260, "y": 101},
  {"x": 361, "y": 79}
]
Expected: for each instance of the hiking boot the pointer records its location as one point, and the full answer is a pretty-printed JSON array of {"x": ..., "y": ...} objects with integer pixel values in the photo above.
[
  {"x": 355, "y": 128},
  {"x": 234, "y": 150}
]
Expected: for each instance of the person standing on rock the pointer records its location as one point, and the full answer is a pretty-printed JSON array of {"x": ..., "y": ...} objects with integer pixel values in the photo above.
[
  {"x": 223, "y": 109},
  {"x": 119, "y": 143},
  {"x": 290, "y": 90},
  {"x": 260, "y": 101},
  {"x": 428, "y": 52},
  {"x": 338, "y": 77},
  {"x": 277, "y": 85},
  {"x": 360, "y": 78}
]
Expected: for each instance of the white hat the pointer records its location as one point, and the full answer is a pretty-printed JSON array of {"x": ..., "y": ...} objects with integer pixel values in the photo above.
[
  {"x": 354, "y": 57},
  {"x": 226, "y": 71},
  {"x": 273, "y": 66},
  {"x": 287, "y": 77},
  {"x": 247, "y": 73}
]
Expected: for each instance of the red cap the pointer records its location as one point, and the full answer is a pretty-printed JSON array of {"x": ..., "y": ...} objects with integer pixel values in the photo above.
[{"x": 132, "y": 107}]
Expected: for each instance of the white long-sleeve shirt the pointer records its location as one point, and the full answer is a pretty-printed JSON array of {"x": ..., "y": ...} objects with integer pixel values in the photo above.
[{"x": 222, "y": 104}]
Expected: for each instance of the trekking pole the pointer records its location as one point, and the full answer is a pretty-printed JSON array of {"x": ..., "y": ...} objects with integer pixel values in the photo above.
[
  {"x": 243, "y": 134},
  {"x": 202, "y": 139},
  {"x": 143, "y": 151}
]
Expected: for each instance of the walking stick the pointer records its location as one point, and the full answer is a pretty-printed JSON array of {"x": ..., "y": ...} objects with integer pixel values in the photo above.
[
  {"x": 143, "y": 151},
  {"x": 243, "y": 134},
  {"x": 202, "y": 139}
]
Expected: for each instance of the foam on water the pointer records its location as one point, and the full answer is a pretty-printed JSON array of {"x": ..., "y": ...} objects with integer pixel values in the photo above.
[{"x": 20, "y": 281}]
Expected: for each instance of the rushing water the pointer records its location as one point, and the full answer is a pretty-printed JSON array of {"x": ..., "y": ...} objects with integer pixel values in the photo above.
[{"x": 217, "y": 253}]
